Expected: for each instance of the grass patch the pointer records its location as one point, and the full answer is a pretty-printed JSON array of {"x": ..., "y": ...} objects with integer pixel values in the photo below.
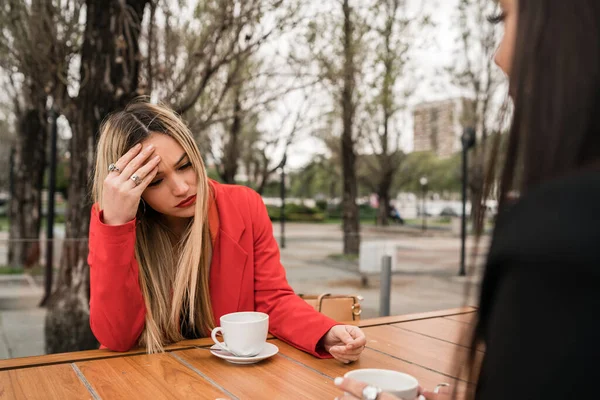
[
  {"x": 59, "y": 220},
  {"x": 339, "y": 221},
  {"x": 343, "y": 257},
  {"x": 10, "y": 270},
  {"x": 7, "y": 270}
]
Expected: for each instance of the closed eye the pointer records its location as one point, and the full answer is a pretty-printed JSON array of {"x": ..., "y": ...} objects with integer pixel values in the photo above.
[
  {"x": 182, "y": 168},
  {"x": 185, "y": 166},
  {"x": 496, "y": 19}
]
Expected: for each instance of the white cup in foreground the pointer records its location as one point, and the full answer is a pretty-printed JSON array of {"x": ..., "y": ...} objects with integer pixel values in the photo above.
[
  {"x": 400, "y": 385},
  {"x": 244, "y": 333}
]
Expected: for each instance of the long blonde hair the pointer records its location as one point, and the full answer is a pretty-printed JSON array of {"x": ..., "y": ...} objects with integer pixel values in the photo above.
[{"x": 174, "y": 281}]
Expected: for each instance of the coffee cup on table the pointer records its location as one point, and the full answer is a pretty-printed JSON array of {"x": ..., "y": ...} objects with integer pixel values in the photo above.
[
  {"x": 244, "y": 333},
  {"x": 399, "y": 384}
]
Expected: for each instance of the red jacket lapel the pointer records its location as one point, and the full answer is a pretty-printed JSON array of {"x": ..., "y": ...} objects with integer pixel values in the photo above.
[{"x": 229, "y": 257}]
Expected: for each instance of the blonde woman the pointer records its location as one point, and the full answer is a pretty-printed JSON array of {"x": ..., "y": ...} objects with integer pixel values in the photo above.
[{"x": 172, "y": 251}]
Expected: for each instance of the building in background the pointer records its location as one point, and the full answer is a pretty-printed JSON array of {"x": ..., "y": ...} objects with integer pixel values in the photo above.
[{"x": 437, "y": 126}]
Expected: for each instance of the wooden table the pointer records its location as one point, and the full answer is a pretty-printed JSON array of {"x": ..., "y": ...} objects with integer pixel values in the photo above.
[{"x": 423, "y": 345}]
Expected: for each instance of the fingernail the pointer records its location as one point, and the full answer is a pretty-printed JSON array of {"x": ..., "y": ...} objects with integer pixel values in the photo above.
[
  {"x": 138, "y": 146},
  {"x": 157, "y": 158},
  {"x": 338, "y": 381},
  {"x": 150, "y": 147}
]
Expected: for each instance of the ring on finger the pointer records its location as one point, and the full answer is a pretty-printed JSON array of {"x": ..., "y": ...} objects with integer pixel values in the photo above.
[
  {"x": 439, "y": 386},
  {"x": 371, "y": 393},
  {"x": 113, "y": 167},
  {"x": 136, "y": 179}
]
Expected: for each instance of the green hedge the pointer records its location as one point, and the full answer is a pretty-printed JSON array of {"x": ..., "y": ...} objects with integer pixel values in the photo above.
[
  {"x": 365, "y": 211},
  {"x": 296, "y": 213},
  {"x": 302, "y": 213}
]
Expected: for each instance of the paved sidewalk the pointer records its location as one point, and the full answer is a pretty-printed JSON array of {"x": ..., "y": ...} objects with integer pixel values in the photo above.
[{"x": 428, "y": 281}]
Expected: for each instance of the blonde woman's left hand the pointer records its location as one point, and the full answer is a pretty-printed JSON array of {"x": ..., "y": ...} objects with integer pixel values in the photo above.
[{"x": 345, "y": 342}]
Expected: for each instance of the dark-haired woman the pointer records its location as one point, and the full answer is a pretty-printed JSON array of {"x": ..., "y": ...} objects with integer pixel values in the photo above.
[{"x": 540, "y": 300}]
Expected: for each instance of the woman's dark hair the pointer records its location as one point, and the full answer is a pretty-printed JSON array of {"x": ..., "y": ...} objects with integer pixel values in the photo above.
[
  {"x": 555, "y": 85},
  {"x": 555, "y": 82}
]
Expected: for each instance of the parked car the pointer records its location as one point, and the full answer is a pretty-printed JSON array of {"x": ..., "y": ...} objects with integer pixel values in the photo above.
[{"x": 449, "y": 212}]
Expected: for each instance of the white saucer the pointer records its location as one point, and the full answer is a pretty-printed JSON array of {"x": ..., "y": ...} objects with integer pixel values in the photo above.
[{"x": 268, "y": 351}]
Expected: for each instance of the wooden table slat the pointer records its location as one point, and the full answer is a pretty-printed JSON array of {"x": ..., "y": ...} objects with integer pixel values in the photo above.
[
  {"x": 55, "y": 382},
  {"x": 88, "y": 355},
  {"x": 275, "y": 378},
  {"x": 468, "y": 318},
  {"x": 369, "y": 359},
  {"x": 427, "y": 352},
  {"x": 413, "y": 317},
  {"x": 441, "y": 328},
  {"x": 157, "y": 376}
]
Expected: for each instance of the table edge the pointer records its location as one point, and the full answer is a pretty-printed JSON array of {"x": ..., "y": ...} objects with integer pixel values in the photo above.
[{"x": 90, "y": 355}]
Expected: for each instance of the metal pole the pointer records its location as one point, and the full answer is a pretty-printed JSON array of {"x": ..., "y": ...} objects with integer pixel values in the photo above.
[
  {"x": 424, "y": 210},
  {"x": 282, "y": 213},
  {"x": 463, "y": 226},
  {"x": 468, "y": 140},
  {"x": 385, "y": 286},
  {"x": 50, "y": 211}
]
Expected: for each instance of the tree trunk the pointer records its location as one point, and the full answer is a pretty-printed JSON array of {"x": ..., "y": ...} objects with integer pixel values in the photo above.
[
  {"x": 110, "y": 68},
  {"x": 264, "y": 173},
  {"x": 232, "y": 150},
  {"x": 25, "y": 205},
  {"x": 351, "y": 224},
  {"x": 383, "y": 211},
  {"x": 475, "y": 183}
]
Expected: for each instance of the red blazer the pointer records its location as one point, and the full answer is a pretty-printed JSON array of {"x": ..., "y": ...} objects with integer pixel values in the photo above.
[{"x": 246, "y": 275}]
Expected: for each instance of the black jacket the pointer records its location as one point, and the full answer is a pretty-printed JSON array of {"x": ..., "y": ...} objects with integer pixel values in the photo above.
[{"x": 540, "y": 298}]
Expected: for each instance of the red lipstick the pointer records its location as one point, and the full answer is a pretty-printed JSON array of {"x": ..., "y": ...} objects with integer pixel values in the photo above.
[{"x": 187, "y": 202}]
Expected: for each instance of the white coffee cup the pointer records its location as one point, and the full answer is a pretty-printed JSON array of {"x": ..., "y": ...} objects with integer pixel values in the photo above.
[
  {"x": 244, "y": 333},
  {"x": 393, "y": 382}
]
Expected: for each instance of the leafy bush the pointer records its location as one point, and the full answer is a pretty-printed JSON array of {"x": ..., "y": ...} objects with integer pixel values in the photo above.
[
  {"x": 322, "y": 205},
  {"x": 365, "y": 211},
  {"x": 296, "y": 213}
]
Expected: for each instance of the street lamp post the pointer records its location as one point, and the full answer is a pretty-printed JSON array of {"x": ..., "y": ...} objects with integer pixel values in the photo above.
[
  {"x": 50, "y": 212},
  {"x": 468, "y": 141},
  {"x": 282, "y": 193},
  {"x": 423, "y": 181}
]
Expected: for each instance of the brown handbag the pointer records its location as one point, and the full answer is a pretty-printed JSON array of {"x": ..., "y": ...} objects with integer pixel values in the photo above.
[{"x": 338, "y": 307}]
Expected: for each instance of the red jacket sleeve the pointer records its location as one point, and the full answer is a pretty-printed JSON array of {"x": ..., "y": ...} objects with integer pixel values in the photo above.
[
  {"x": 291, "y": 319},
  {"x": 117, "y": 309}
]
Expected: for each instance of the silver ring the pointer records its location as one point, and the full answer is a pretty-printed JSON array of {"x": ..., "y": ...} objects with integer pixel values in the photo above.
[
  {"x": 136, "y": 179},
  {"x": 439, "y": 386},
  {"x": 113, "y": 167},
  {"x": 371, "y": 393}
]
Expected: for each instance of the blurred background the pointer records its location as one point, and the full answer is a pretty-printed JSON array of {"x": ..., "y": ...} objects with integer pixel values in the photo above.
[{"x": 352, "y": 113}]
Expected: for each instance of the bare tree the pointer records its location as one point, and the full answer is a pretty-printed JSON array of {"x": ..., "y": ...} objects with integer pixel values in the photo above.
[
  {"x": 271, "y": 147},
  {"x": 189, "y": 65},
  {"x": 108, "y": 79},
  {"x": 475, "y": 72},
  {"x": 33, "y": 52},
  {"x": 207, "y": 69},
  {"x": 394, "y": 29},
  {"x": 336, "y": 42}
]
